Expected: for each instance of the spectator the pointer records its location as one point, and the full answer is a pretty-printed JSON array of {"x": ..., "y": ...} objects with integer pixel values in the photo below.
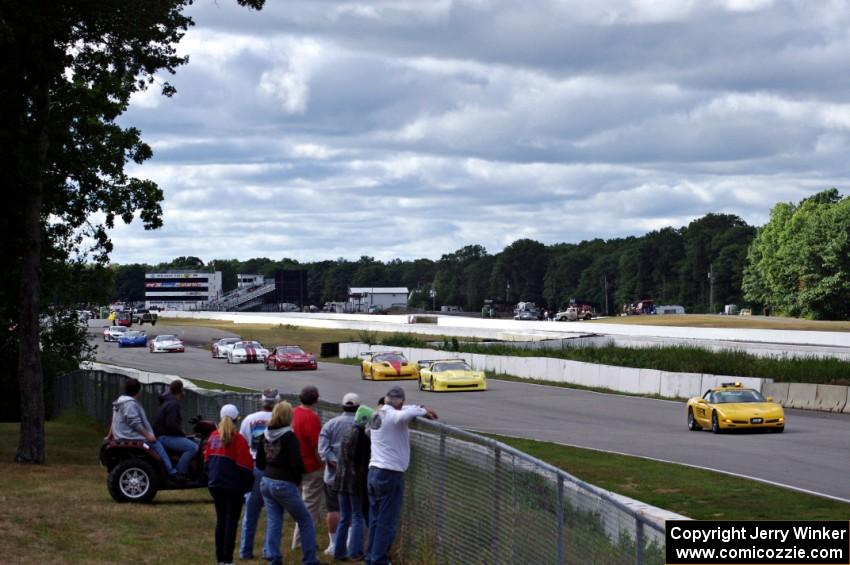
[
  {"x": 390, "y": 457},
  {"x": 306, "y": 425},
  {"x": 169, "y": 428},
  {"x": 279, "y": 456},
  {"x": 351, "y": 483},
  {"x": 230, "y": 474},
  {"x": 252, "y": 429},
  {"x": 130, "y": 422},
  {"x": 330, "y": 439}
]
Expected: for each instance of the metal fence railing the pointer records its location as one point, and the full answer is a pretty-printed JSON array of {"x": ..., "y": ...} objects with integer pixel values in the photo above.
[{"x": 468, "y": 499}]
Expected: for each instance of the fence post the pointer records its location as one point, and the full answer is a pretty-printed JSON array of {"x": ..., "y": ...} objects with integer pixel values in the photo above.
[
  {"x": 497, "y": 506},
  {"x": 559, "y": 513},
  {"x": 638, "y": 541},
  {"x": 441, "y": 496}
]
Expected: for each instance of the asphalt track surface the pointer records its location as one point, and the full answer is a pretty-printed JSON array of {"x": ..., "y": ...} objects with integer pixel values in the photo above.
[{"x": 812, "y": 455}]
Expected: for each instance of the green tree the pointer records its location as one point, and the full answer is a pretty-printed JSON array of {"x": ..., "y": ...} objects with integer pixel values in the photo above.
[{"x": 67, "y": 71}]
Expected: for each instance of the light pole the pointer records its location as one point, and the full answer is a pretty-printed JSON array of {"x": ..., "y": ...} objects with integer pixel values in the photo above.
[
  {"x": 508, "y": 292},
  {"x": 710, "y": 288}
]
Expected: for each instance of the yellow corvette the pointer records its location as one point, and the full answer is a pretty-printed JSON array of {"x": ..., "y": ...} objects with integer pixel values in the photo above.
[
  {"x": 450, "y": 375},
  {"x": 387, "y": 365},
  {"x": 730, "y": 406}
]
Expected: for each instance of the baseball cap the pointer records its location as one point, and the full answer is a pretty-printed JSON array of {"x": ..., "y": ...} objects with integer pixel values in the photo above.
[
  {"x": 230, "y": 411},
  {"x": 362, "y": 415},
  {"x": 270, "y": 396},
  {"x": 351, "y": 399},
  {"x": 396, "y": 392}
]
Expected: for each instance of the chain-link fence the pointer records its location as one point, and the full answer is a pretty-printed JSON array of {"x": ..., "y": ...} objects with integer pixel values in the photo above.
[{"x": 468, "y": 499}]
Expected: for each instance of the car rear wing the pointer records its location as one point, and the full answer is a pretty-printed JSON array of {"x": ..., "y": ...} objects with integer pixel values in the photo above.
[{"x": 423, "y": 363}]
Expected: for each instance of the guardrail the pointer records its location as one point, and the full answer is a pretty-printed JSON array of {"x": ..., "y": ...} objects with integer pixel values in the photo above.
[{"x": 468, "y": 498}]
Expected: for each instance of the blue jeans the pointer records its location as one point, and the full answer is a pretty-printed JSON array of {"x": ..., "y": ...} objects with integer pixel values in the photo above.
[
  {"x": 166, "y": 460},
  {"x": 185, "y": 446},
  {"x": 350, "y": 515},
  {"x": 253, "y": 505},
  {"x": 280, "y": 496},
  {"x": 386, "y": 493}
]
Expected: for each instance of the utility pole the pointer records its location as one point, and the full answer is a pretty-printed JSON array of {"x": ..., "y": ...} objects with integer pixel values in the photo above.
[
  {"x": 605, "y": 290},
  {"x": 710, "y": 289}
]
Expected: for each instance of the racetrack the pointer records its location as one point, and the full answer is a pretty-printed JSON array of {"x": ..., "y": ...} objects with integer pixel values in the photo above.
[{"x": 811, "y": 455}]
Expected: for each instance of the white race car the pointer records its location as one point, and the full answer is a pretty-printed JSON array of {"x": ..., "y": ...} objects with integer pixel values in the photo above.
[
  {"x": 247, "y": 352},
  {"x": 166, "y": 344},
  {"x": 221, "y": 346},
  {"x": 112, "y": 333}
]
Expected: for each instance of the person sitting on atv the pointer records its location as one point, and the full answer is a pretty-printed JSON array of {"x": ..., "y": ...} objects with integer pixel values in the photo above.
[
  {"x": 168, "y": 427},
  {"x": 129, "y": 422}
]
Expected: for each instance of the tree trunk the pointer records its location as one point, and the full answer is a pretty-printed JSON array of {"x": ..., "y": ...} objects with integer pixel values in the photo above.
[{"x": 30, "y": 375}]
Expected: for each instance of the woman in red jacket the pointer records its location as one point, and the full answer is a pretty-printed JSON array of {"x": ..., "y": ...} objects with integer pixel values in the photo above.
[{"x": 230, "y": 474}]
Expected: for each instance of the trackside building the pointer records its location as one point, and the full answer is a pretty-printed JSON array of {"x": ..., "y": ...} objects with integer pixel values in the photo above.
[
  {"x": 361, "y": 298},
  {"x": 181, "y": 290}
]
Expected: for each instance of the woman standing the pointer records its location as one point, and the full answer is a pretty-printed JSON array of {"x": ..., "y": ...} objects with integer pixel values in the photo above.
[
  {"x": 351, "y": 472},
  {"x": 230, "y": 474},
  {"x": 279, "y": 457}
]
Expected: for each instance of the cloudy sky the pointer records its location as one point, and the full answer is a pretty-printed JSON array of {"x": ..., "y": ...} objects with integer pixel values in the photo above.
[{"x": 318, "y": 129}]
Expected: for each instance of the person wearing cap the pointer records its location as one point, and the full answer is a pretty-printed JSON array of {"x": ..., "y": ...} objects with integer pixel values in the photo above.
[
  {"x": 390, "y": 435},
  {"x": 352, "y": 470},
  {"x": 306, "y": 424},
  {"x": 252, "y": 429},
  {"x": 330, "y": 439},
  {"x": 230, "y": 475}
]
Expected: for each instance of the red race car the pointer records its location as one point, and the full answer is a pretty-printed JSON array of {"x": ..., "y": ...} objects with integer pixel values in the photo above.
[{"x": 287, "y": 357}]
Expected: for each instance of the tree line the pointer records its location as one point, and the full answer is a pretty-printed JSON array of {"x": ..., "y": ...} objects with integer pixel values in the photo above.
[{"x": 670, "y": 265}]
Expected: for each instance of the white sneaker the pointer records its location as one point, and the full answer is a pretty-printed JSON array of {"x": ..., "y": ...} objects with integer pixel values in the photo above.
[{"x": 330, "y": 549}]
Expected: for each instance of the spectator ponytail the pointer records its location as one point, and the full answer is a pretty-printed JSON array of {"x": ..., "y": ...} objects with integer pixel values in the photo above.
[{"x": 226, "y": 430}]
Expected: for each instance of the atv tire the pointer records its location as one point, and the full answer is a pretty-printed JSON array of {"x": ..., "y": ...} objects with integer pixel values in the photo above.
[{"x": 132, "y": 480}]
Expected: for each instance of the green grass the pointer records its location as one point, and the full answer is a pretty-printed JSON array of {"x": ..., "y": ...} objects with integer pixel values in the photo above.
[
  {"x": 678, "y": 359},
  {"x": 698, "y": 494},
  {"x": 716, "y": 321}
]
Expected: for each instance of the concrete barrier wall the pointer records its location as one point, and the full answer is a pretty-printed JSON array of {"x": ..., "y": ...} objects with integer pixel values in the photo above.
[
  {"x": 830, "y": 398},
  {"x": 802, "y": 396},
  {"x": 779, "y": 392}
]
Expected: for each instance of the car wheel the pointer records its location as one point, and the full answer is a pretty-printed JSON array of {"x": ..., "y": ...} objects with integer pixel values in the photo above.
[
  {"x": 132, "y": 480},
  {"x": 431, "y": 383},
  {"x": 692, "y": 423},
  {"x": 778, "y": 430},
  {"x": 421, "y": 384},
  {"x": 372, "y": 373},
  {"x": 362, "y": 374},
  {"x": 715, "y": 424},
  {"x": 267, "y": 367}
]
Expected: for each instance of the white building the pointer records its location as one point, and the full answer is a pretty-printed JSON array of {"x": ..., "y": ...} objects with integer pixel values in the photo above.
[
  {"x": 245, "y": 281},
  {"x": 362, "y": 297},
  {"x": 181, "y": 290}
]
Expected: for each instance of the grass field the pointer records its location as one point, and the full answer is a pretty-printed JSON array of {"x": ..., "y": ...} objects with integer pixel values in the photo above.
[{"x": 717, "y": 321}]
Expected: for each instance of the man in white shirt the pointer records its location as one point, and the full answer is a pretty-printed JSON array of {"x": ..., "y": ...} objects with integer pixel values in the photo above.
[
  {"x": 252, "y": 429},
  {"x": 390, "y": 434}
]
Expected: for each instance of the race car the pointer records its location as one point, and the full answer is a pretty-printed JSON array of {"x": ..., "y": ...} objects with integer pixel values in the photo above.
[
  {"x": 112, "y": 333},
  {"x": 287, "y": 357},
  {"x": 124, "y": 319},
  {"x": 166, "y": 344},
  {"x": 731, "y": 406},
  {"x": 386, "y": 365},
  {"x": 247, "y": 352},
  {"x": 221, "y": 345},
  {"x": 450, "y": 375},
  {"x": 133, "y": 339}
]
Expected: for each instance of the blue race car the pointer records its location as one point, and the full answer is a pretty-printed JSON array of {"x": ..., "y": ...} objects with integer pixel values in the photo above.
[{"x": 133, "y": 339}]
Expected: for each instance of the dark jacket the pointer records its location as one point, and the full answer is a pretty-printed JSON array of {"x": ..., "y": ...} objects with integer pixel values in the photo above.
[
  {"x": 279, "y": 455},
  {"x": 229, "y": 466},
  {"x": 353, "y": 462},
  {"x": 169, "y": 421}
]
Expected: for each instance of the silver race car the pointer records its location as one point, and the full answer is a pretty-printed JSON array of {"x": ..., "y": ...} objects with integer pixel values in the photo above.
[{"x": 166, "y": 344}]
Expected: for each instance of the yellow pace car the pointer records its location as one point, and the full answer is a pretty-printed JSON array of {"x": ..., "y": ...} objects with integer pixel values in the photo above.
[
  {"x": 450, "y": 375},
  {"x": 730, "y": 406},
  {"x": 387, "y": 365}
]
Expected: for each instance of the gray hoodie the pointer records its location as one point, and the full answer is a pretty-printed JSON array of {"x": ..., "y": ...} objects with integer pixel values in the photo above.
[{"x": 128, "y": 419}]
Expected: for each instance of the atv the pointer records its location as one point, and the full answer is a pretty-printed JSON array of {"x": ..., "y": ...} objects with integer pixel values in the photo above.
[{"x": 136, "y": 472}]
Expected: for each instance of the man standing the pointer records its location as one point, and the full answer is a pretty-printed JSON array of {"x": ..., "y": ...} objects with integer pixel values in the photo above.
[
  {"x": 130, "y": 422},
  {"x": 168, "y": 427},
  {"x": 306, "y": 425},
  {"x": 252, "y": 429},
  {"x": 330, "y": 440},
  {"x": 390, "y": 434}
]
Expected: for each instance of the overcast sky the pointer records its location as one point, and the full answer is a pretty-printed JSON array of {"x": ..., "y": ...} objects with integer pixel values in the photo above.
[{"x": 318, "y": 129}]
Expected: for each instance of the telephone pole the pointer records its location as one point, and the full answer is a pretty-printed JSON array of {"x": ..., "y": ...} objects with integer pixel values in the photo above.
[{"x": 710, "y": 288}]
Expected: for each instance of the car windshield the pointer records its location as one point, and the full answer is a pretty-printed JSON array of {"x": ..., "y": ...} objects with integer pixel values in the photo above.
[
  {"x": 133, "y": 334},
  {"x": 167, "y": 338},
  {"x": 228, "y": 340},
  {"x": 118, "y": 329},
  {"x": 244, "y": 344},
  {"x": 730, "y": 396},
  {"x": 451, "y": 366},
  {"x": 389, "y": 358},
  {"x": 294, "y": 349}
]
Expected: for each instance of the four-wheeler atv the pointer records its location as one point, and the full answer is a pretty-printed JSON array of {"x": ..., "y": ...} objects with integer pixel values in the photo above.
[{"x": 136, "y": 471}]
